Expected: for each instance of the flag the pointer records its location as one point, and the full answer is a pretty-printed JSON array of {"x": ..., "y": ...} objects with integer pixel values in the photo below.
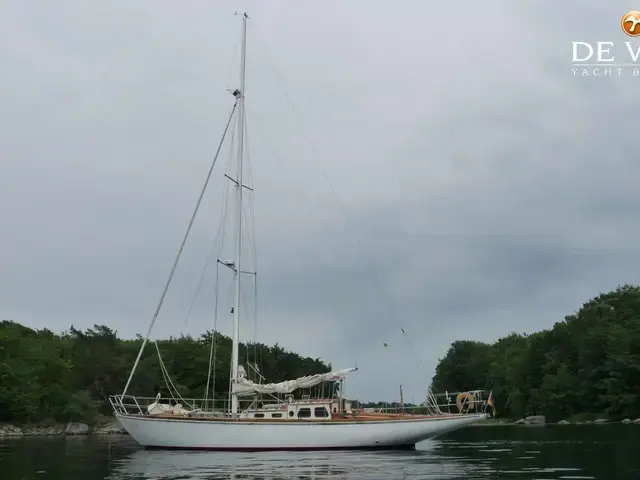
[{"x": 491, "y": 403}]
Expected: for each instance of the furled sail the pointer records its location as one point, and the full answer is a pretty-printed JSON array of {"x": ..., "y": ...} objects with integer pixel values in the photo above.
[{"x": 245, "y": 386}]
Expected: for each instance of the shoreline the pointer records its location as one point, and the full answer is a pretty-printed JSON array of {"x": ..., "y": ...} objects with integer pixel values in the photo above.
[
  {"x": 540, "y": 420},
  {"x": 113, "y": 427},
  {"x": 61, "y": 429}
]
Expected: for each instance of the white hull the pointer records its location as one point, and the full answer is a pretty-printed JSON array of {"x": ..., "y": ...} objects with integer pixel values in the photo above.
[{"x": 288, "y": 435}]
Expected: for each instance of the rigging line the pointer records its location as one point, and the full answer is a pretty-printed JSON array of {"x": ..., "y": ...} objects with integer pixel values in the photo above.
[
  {"x": 252, "y": 243},
  {"x": 214, "y": 340},
  {"x": 274, "y": 153},
  {"x": 251, "y": 203},
  {"x": 166, "y": 382},
  {"x": 245, "y": 304},
  {"x": 184, "y": 241},
  {"x": 255, "y": 344},
  {"x": 311, "y": 145},
  {"x": 316, "y": 156},
  {"x": 169, "y": 381},
  {"x": 420, "y": 364},
  {"x": 245, "y": 308},
  {"x": 341, "y": 204},
  {"x": 255, "y": 305},
  {"x": 254, "y": 317},
  {"x": 247, "y": 210},
  {"x": 165, "y": 373},
  {"x": 231, "y": 70},
  {"x": 253, "y": 254},
  {"x": 200, "y": 283},
  {"x": 172, "y": 394},
  {"x": 217, "y": 240},
  {"x": 430, "y": 395},
  {"x": 214, "y": 343},
  {"x": 230, "y": 296},
  {"x": 220, "y": 236},
  {"x": 223, "y": 220}
]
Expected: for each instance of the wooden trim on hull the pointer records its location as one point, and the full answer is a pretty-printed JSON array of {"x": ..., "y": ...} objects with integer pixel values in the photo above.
[
  {"x": 404, "y": 447},
  {"x": 360, "y": 419}
]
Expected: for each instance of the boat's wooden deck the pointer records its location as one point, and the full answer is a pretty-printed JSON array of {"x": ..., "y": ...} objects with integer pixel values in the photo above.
[{"x": 371, "y": 417}]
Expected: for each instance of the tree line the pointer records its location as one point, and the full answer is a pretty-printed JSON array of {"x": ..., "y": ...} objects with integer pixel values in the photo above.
[
  {"x": 588, "y": 363},
  {"x": 45, "y": 376}
]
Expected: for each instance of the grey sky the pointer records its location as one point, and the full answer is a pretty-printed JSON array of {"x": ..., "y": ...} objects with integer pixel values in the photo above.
[{"x": 481, "y": 187}]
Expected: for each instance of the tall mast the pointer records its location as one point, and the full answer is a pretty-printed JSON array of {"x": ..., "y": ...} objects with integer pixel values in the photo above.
[{"x": 239, "y": 188}]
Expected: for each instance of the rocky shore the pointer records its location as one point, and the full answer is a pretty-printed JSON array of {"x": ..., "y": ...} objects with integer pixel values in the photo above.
[
  {"x": 111, "y": 428},
  {"x": 114, "y": 428},
  {"x": 541, "y": 420}
]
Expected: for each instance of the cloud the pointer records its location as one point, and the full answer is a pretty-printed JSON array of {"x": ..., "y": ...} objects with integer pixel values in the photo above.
[{"x": 410, "y": 171}]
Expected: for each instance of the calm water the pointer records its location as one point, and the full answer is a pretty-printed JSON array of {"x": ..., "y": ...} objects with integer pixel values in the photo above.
[{"x": 559, "y": 452}]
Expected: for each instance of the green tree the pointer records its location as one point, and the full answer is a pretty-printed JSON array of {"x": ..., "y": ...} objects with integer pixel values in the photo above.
[
  {"x": 587, "y": 363},
  {"x": 69, "y": 376}
]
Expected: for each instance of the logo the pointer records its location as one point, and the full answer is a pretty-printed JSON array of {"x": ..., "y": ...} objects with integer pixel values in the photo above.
[
  {"x": 609, "y": 57},
  {"x": 630, "y": 23}
]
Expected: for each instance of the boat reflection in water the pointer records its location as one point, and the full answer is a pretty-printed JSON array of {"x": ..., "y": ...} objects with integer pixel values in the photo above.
[{"x": 428, "y": 461}]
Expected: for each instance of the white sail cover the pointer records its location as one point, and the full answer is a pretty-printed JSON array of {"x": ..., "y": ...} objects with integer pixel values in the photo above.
[{"x": 247, "y": 387}]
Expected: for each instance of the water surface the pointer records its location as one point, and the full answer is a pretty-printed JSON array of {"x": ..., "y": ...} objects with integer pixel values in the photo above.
[{"x": 608, "y": 452}]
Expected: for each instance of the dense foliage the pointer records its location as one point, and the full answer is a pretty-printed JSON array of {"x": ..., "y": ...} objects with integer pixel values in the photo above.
[
  {"x": 588, "y": 363},
  {"x": 45, "y": 376}
]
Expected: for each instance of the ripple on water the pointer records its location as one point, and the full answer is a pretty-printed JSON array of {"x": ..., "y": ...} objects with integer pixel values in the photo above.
[
  {"x": 477, "y": 456},
  {"x": 144, "y": 464}
]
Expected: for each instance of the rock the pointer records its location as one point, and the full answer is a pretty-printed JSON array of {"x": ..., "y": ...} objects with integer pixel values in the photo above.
[
  {"x": 76, "y": 429},
  {"x": 112, "y": 428},
  {"x": 535, "y": 420},
  {"x": 563, "y": 422},
  {"x": 600, "y": 421},
  {"x": 71, "y": 428},
  {"x": 40, "y": 430},
  {"x": 520, "y": 422},
  {"x": 626, "y": 420},
  {"x": 10, "y": 431}
]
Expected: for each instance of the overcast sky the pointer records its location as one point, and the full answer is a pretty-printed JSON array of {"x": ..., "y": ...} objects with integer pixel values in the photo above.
[{"x": 480, "y": 188}]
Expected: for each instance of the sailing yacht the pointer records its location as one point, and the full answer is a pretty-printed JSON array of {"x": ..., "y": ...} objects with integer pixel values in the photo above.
[{"x": 284, "y": 421}]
